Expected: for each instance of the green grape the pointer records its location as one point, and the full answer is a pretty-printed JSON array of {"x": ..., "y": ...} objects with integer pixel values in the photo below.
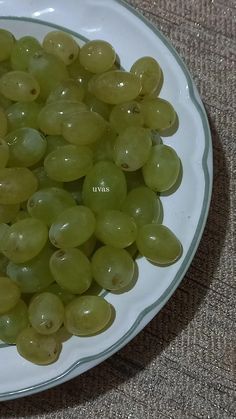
[
  {"x": 162, "y": 168},
  {"x": 47, "y": 204},
  {"x": 104, "y": 187},
  {"x": 53, "y": 142},
  {"x": 126, "y": 115},
  {"x": 73, "y": 227},
  {"x": 23, "y": 115},
  {"x": 37, "y": 348},
  {"x": 8, "y": 212},
  {"x": 7, "y": 41},
  {"x": 83, "y": 128},
  {"x": 9, "y": 294},
  {"x": 46, "y": 313},
  {"x": 70, "y": 90},
  {"x": 143, "y": 205},
  {"x": 116, "y": 228},
  {"x": 112, "y": 268},
  {"x": 88, "y": 247},
  {"x": 75, "y": 188},
  {"x": 97, "y": 56},
  {"x": 72, "y": 270},
  {"x": 13, "y": 322},
  {"x": 53, "y": 115},
  {"x": 23, "y": 50},
  {"x": 4, "y": 153},
  {"x": 62, "y": 45},
  {"x": 33, "y": 276},
  {"x": 19, "y": 86},
  {"x": 132, "y": 148},
  {"x": 134, "y": 179},
  {"x": 158, "y": 244},
  {"x": 103, "y": 149},
  {"x": 78, "y": 73},
  {"x": 3, "y": 123},
  {"x": 27, "y": 146},
  {"x": 87, "y": 315},
  {"x": 116, "y": 87},
  {"x": 24, "y": 240},
  {"x": 16, "y": 185},
  {"x": 72, "y": 161},
  {"x": 149, "y": 72},
  {"x": 21, "y": 215},
  {"x": 158, "y": 114},
  {"x": 44, "y": 181},
  {"x": 65, "y": 296},
  {"x": 96, "y": 105},
  {"x": 48, "y": 70}
]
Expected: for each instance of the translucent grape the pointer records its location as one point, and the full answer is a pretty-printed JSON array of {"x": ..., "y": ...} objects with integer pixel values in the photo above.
[
  {"x": 53, "y": 142},
  {"x": 79, "y": 73},
  {"x": 13, "y": 322},
  {"x": 149, "y": 72},
  {"x": 162, "y": 168},
  {"x": 158, "y": 114},
  {"x": 72, "y": 270},
  {"x": 116, "y": 87},
  {"x": 7, "y": 41},
  {"x": 65, "y": 296},
  {"x": 16, "y": 185},
  {"x": 19, "y": 86},
  {"x": 8, "y": 212},
  {"x": 23, "y": 50},
  {"x": 74, "y": 162},
  {"x": 158, "y": 244},
  {"x": 96, "y": 105},
  {"x": 132, "y": 148},
  {"x": 87, "y": 315},
  {"x": 22, "y": 115},
  {"x": 47, "y": 204},
  {"x": 104, "y": 187},
  {"x": 4, "y": 153},
  {"x": 143, "y": 205},
  {"x": 103, "y": 149},
  {"x": 83, "y": 128},
  {"x": 46, "y": 313},
  {"x": 37, "y": 348},
  {"x": 9, "y": 294},
  {"x": 97, "y": 56},
  {"x": 116, "y": 228},
  {"x": 62, "y": 45},
  {"x": 3, "y": 123},
  {"x": 113, "y": 269},
  {"x": 70, "y": 90},
  {"x": 126, "y": 115},
  {"x": 73, "y": 227}
]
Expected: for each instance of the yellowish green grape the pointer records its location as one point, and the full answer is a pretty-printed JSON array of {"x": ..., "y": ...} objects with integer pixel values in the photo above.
[
  {"x": 149, "y": 72},
  {"x": 16, "y": 185},
  {"x": 3, "y": 123},
  {"x": 126, "y": 115},
  {"x": 143, "y": 205},
  {"x": 19, "y": 86},
  {"x": 97, "y": 56},
  {"x": 158, "y": 244},
  {"x": 113, "y": 268},
  {"x": 103, "y": 149},
  {"x": 83, "y": 128},
  {"x": 96, "y": 105},
  {"x": 46, "y": 313},
  {"x": 79, "y": 73},
  {"x": 9, "y": 294},
  {"x": 87, "y": 315},
  {"x": 73, "y": 227},
  {"x": 44, "y": 181},
  {"x": 62, "y": 45},
  {"x": 116, "y": 228},
  {"x": 65, "y": 296},
  {"x": 23, "y": 115},
  {"x": 158, "y": 114},
  {"x": 72, "y": 270},
  {"x": 8, "y": 212},
  {"x": 162, "y": 168},
  {"x": 7, "y": 41},
  {"x": 13, "y": 322},
  {"x": 70, "y": 90},
  {"x": 4, "y": 153},
  {"x": 22, "y": 51}
]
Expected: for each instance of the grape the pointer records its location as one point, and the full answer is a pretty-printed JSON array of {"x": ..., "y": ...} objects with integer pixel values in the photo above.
[
  {"x": 37, "y": 348},
  {"x": 8, "y": 212},
  {"x": 116, "y": 87},
  {"x": 88, "y": 247},
  {"x": 158, "y": 244},
  {"x": 9, "y": 294},
  {"x": 126, "y": 115},
  {"x": 104, "y": 187},
  {"x": 23, "y": 50},
  {"x": 162, "y": 168},
  {"x": 26, "y": 145},
  {"x": 73, "y": 162},
  {"x": 70, "y": 90},
  {"x": 132, "y": 148},
  {"x": 24, "y": 240},
  {"x": 48, "y": 70},
  {"x": 62, "y": 45},
  {"x": 22, "y": 115},
  {"x": 116, "y": 228},
  {"x": 103, "y": 149},
  {"x": 53, "y": 142},
  {"x": 53, "y": 115},
  {"x": 7, "y": 41},
  {"x": 3, "y": 229},
  {"x": 73, "y": 227},
  {"x": 44, "y": 181},
  {"x": 13, "y": 322},
  {"x": 78, "y": 73},
  {"x": 72, "y": 270},
  {"x": 149, "y": 72},
  {"x": 75, "y": 188},
  {"x": 47, "y": 204},
  {"x": 96, "y": 105},
  {"x": 62, "y": 335},
  {"x": 46, "y": 313},
  {"x": 4, "y": 153},
  {"x": 65, "y": 296},
  {"x": 134, "y": 179},
  {"x": 35, "y": 275},
  {"x": 16, "y": 185},
  {"x": 83, "y": 128},
  {"x": 3, "y": 123},
  {"x": 97, "y": 56},
  {"x": 112, "y": 268},
  {"x": 19, "y": 86},
  {"x": 143, "y": 205},
  {"x": 158, "y": 114},
  {"x": 87, "y": 315}
]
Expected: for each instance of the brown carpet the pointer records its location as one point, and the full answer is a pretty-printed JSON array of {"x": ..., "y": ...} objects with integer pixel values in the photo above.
[{"x": 183, "y": 364}]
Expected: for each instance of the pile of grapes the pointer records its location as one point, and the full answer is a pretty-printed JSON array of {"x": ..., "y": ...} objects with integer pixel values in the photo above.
[{"x": 82, "y": 166}]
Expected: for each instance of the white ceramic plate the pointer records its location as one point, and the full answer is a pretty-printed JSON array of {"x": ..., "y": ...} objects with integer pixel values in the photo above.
[{"x": 185, "y": 212}]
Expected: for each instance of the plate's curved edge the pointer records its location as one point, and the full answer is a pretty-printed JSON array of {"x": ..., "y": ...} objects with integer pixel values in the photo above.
[{"x": 208, "y": 176}]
